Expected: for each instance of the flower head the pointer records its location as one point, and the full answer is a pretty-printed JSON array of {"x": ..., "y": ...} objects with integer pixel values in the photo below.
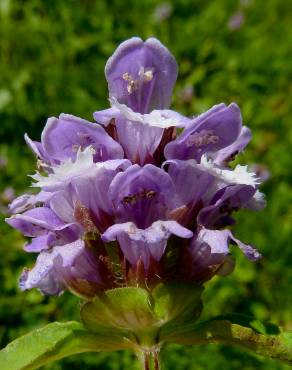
[{"x": 129, "y": 200}]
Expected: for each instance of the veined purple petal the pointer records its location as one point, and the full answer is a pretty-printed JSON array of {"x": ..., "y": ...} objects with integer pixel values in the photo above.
[
  {"x": 61, "y": 267},
  {"x": 206, "y": 252},
  {"x": 214, "y": 130},
  {"x": 27, "y": 201},
  {"x": 86, "y": 200},
  {"x": 141, "y": 74},
  {"x": 63, "y": 137},
  {"x": 142, "y": 195},
  {"x": 190, "y": 181},
  {"x": 209, "y": 249},
  {"x": 38, "y": 149},
  {"x": 227, "y": 154},
  {"x": 225, "y": 201},
  {"x": 248, "y": 250},
  {"x": 257, "y": 202},
  {"x": 81, "y": 270},
  {"x": 105, "y": 116},
  {"x": 139, "y": 141},
  {"x": 62, "y": 203},
  {"x": 94, "y": 208},
  {"x": 34, "y": 221},
  {"x": 141, "y": 244},
  {"x": 43, "y": 275},
  {"x": 42, "y": 242},
  {"x": 46, "y": 228},
  {"x": 139, "y": 134}
]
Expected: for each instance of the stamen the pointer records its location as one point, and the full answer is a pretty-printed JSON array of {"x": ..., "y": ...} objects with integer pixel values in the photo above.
[
  {"x": 130, "y": 199},
  {"x": 134, "y": 84},
  {"x": 133, "y": 198},
  {"x": 147, "y": 75},
  {"x": 75, "y": 148},
  {"x": 203, "y": 138},
  {"x": 41, "y": 165},
  {"x": 127, "y": 76}
]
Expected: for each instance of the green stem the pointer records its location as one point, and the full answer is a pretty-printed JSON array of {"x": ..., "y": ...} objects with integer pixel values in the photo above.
[
  {"x": 156, "y": 361},
  {"x": 147, "y": 360}
]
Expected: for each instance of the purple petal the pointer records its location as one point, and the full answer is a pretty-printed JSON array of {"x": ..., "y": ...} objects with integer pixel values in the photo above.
[
  {"x": 41, "y": 242},
  {"x": 138, "y": 141},
  {"x": 142, "y": 195},
  {"x": 38, "y": 149},
  {"x": 249, "y": 251},
  {"x": 41, "y": 221},
  {"x": 80, "y": 269},
  {"x": 214, "y": 130},
  {"x": 141, "y": 74},
  {"x": 191, "y": 182},
  {"x": 141, "y": 134},
  {"x": 61, "y": 268},
  {"x": 228, "y": 154},
  {"x": 207, "y": 251},
  {"x": 141, "y": 244},
  {"x": 42, "y": 276},
  {"x": 225, "y": 201},
  {"x": 104, "y": 117},
  {"x": 92, "y": 192},
  {"x": 209, "y": 248},
  {"x": 27, "y": 201},
  {"x": 61, "y": 139},
  {"x": 34, "y": 221},
  {"x": 257, "y": 202}
]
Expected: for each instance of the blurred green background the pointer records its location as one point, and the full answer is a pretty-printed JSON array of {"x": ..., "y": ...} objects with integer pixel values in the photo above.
[{"x": 52, "y": 55}]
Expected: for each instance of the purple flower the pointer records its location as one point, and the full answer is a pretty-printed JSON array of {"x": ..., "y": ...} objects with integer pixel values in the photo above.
[
  {"x": 162, "y": 12},
  {"x": 131, "y": 199},
  {"x": 3, "y": 161},
  {"x": 141, "y": 75},
  {"x": 236, "y": 21},
  {"x": 72, "y": 266}
]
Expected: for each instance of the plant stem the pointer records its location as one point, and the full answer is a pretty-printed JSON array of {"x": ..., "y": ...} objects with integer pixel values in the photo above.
[
  {"x": 156, "y": 361},
  {"x": 147, "y": 360}
]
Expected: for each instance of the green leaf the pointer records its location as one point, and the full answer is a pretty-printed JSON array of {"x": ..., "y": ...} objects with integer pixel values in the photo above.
[
  {"x": 53, "y": 342},
  {"x": 263, "y": 339}
]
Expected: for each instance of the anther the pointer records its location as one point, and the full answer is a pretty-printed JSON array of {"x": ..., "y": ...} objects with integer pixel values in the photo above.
[
  {"x": 133, "y": 198},
  {"x": 203, "y": 138},
  {"x": 133, "y": 84}
]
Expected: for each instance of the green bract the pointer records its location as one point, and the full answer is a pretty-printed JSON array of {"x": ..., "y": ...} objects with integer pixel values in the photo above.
[{"x": 145, "y": 319}]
